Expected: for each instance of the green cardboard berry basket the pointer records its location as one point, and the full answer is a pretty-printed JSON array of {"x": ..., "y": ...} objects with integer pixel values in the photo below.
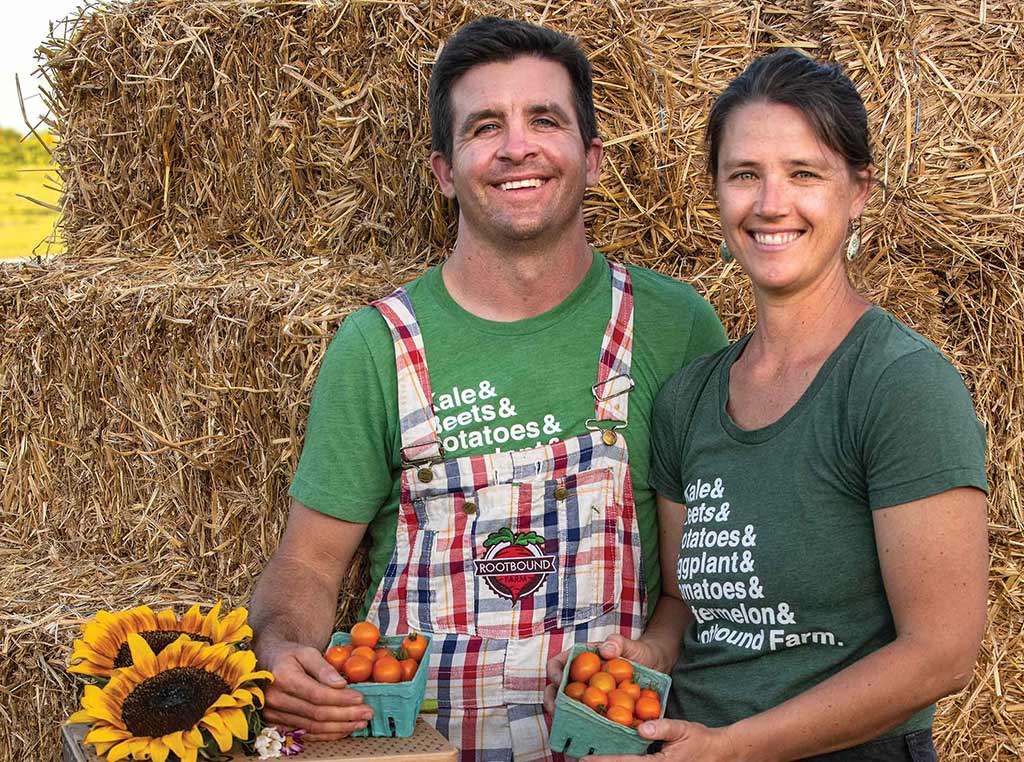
[
  {"x": 577, "y": 730},
  {"x": 395, "y": 705}
]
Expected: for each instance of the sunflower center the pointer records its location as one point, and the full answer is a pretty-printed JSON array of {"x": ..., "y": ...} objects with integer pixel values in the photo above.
[
  {"x": 170, "y": 701},
  {"x": 158, "y": 640}
]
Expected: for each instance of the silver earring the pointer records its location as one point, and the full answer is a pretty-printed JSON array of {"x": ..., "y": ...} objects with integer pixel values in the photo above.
[
  {"x": 724, "y": 253},
  {"x": 853, "y": 244}
]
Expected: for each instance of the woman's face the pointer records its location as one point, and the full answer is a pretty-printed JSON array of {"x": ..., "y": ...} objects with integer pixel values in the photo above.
[{"x": 786, "y": 200}]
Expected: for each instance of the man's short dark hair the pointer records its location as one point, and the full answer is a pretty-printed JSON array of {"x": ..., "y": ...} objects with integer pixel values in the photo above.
[{"x": 489, "y": 40}]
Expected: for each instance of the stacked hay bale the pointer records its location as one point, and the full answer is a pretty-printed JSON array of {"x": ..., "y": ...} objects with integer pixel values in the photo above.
[{"x": 240, "y": 175}]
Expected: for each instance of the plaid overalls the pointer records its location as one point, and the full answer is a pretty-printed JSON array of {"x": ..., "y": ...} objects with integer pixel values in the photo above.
[{"x": 509, "y": 558}]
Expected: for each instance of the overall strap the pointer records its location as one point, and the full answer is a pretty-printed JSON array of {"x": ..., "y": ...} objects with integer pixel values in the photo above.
[
  {"x": 611, "y": 392},
  {"x": 420, "y": 440}
]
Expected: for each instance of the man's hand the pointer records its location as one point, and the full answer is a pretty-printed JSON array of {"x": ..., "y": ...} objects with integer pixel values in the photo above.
[
  {"x": 612, "y": 647},
  {"x": 307, "y": 692},
  {"x": 293, "y": 604},
  {"x": 684, "y": 742}
]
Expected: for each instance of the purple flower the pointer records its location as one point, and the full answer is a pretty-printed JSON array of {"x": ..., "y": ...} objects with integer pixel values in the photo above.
[{"x": 292, "y": 743}]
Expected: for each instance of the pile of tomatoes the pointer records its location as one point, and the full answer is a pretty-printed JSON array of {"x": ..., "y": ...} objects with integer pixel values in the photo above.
[
  {"x": 609, "y": 689},
  {"x": 363, "y": 660}
]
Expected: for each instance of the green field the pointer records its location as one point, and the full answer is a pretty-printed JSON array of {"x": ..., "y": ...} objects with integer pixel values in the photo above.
[{"x": 25, "y": 228}]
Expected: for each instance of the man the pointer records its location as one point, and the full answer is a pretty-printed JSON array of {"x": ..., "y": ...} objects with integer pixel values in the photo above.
[{"x": 474, "y": 422}]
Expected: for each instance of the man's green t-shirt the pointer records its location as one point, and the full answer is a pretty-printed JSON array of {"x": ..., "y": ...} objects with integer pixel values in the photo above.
[
  {"x": 778, "y": 561},
  {"x": 496, "y": 385}
]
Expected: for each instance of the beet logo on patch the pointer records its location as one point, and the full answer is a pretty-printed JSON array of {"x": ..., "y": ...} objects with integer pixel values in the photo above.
[{"x": 514, "y": 565}]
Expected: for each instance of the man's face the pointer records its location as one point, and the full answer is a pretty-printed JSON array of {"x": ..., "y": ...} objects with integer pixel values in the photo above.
[{"x": 519, "y": 167}]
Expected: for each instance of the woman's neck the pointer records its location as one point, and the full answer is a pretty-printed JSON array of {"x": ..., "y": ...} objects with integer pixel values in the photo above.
[{"x": 800, "y": 329}]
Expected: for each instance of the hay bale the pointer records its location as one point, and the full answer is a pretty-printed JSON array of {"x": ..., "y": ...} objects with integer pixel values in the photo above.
[{"x": 240, "y": 175}]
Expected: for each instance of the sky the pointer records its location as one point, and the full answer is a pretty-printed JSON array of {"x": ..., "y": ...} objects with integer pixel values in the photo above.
[{"x": 23, "y": 26}]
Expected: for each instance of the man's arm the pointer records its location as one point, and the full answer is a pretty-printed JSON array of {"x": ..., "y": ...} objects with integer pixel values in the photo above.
[{"x": 292, "y": 615}]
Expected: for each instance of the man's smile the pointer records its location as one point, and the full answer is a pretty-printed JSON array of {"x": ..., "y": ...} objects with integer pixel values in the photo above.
[{"x": 531, "y": 182}]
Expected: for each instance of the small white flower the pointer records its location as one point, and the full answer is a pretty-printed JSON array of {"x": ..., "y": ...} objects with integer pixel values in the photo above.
[{"x": 268, "y": 743}]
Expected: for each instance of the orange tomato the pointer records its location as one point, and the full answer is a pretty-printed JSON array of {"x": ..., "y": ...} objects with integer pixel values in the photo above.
[
  {"x": 357, "y": 668},
  {"x": 603, "y": 681},
  {"x": 336, "y": 655},
  {"x": 648, "y": 708},
  {"x": 414, "y": 645},
  {"x": 409, "y": 667},
  {"x": 620, "y": 698},
  {"x": 387, "y": 670},
  {"x": 595, "y": 698},
  {"x": 364, "y": 634},
  {"x": 620, "y": 715},
  {"x": 366, "y": 652},
  {"x": 631, "y": 689},
  {"x": 620, "y": 669},
  {"x": 584, "y": 666},
  {"x": 382, "y": 651},
  {"x": 648, "y": 693},
  {"x": 575, "y": 690}
]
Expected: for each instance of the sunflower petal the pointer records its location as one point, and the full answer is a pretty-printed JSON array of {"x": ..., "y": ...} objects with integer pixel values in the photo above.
[
  {"x": 122, "y": 750},
  {"x": 166, "y": 620},
  {"x": 234, "y": 628},
  {"x": 82, "y": 715},
  {"x": 106, "y": 734},
  {"x": 218, "y": 729},
  {"x": 158, "y": 750},
  {"x": 175, "y": 742},
  {"x": 236, "y": 722},
  {"x": 194, "y": 736},
  {"x": 211, "y": 622},
  {"x": 192, "y": 621},
  {"x": 143, "y": 658}
]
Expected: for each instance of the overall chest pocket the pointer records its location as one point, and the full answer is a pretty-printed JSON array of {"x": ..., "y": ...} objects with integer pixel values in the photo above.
[{"x": 515, "y": 560}]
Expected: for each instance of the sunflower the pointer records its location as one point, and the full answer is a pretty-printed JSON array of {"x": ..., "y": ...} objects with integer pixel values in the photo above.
[
  {"x": 104, "y": 643},
  {"x": 164, "y": 702}
]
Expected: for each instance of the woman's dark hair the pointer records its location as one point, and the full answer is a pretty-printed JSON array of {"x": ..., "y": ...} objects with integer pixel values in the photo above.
[
  {"x": 490, "y": 39},
  {"x": 820, "y": 91}
]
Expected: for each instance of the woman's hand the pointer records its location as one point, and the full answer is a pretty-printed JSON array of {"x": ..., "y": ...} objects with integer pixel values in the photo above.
[
  {"x": 639, "y": 651},
  {"x": 684, "y": 742},
  {"x": 613, "y": 646}
]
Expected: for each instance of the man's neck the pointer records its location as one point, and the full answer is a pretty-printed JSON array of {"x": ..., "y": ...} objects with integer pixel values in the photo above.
[{"x": 516, "y": 282}]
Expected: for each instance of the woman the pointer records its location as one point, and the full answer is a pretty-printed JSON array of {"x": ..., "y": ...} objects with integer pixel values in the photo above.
[{"x": 821, "y": 481}]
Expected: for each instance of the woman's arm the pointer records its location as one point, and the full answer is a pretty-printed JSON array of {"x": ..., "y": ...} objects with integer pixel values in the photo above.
[{"x": 934, "y": 561}]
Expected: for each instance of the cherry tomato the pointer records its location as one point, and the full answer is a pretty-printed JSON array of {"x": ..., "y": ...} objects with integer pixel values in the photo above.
[
  {"x": 631, "y": 689},
  {"x": 648, "y": 693},
  {"x": 366, "y": 652},
  {"x": 336, "y": 655},
  {"x": 414, "y": 645},
  {"x": 357, "y": 668},
  {"x": 409, "y": 667},
  {"x": 648, "y": 708},
  {"x": 595, "y": 698},
  {"x": 620, "y": 698},
  {"x": 382, "y": 651},
  {"x": 620, "y": 669},
  {"x": 620, "y": 715},
  {"x": 603, "y": 681},
  {"x": 364, "y": 634},
  {"x": 387, "y": 670},
  {"x": 575, "y": 690},
  {"x": 584, "y": 666}
]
